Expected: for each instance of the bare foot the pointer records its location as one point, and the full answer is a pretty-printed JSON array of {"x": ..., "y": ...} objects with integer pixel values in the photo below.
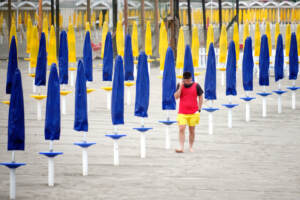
[
  {"x": 179, "y": 151},
  {"x": 191, "y": 150}
]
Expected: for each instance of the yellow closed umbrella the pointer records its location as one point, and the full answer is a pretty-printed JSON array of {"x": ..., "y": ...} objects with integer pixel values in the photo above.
[
  {"x": 185, "y": 19},
  {"x": 34, "y": 46},
  {"x": 287, "y": 39},
  {"x": 74, "y": 19},
  {"x": 268, "y": 33},
  {"x": 210, "y": 37},
  {"x": 103, "y": 37},
  {"x": 246, "y": 32},
  {"x": 180, "y": 49},
  {"x": 36, "y": 17},
  {"x": 226, "y": 16},
  {"x": 148, "y": 40},
  {"x": 236, "y": 40},
  {"x": 28, "y": 34},
  {"x": 223, "y": 45},
  {"x": 52, "y": 47},
  {"x": 195, "y": 46},
  {"x": 87, "y": 27},
  {"x": 257, "y": 40},
  {"x": 100, "y": 19},
  {"x": 277, "y": 32},
  {"x": 71, "y": 43},
  {"x": 107, "y": 16},
  {"x": 61, "y": 21},
  {"x": 120, "y": 38},
  {"x": 45, "y": 30},
  {"x": 25, "y": 18},
  {"x": 134, "y": 40},
  {"x": 298, "y": 38},
  {"x": 13, "y": 32},
  {"x": 163, "y": 44},
  {"x": 288, "y": 15}
]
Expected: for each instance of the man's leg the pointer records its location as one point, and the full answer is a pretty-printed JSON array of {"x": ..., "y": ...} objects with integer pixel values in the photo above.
[
  {"x": 181, "y": 138},
  {"x": 191, "y": 137}
]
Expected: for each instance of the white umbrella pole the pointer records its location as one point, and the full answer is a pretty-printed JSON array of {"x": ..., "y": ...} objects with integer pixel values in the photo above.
[
  {"x": 12, "y": 178},
  {"x": 29, "y": 68},
  {"x": 167, "y": 133},
  {"x": 116, "y": 150},
  {"x": 108, "y": 100},
  {"x": 210, "y": 120},
  {"x": 222, "y": 78},
  {"x": 72, "y": 78},
  {"x": 128, "y": 96},
  {"x": 39, "y": 110},
  {"x": 143, "y": 141},
  {"x": 63, "y": 104},
  {"x": 51, "y": 166},
  {"x": 247, "y": 109},
  {"x": 88, "y": 102},
  {"x": 279, "y": 99},
  {"x": 149, "y": 69},
  {"x": 84, "y": 158},
  {"x": 229, "y": 114},
  {"x": 33, "y": 86},
  {"x": 264, "y": 104},
  {"x": 293, "y": 97}
]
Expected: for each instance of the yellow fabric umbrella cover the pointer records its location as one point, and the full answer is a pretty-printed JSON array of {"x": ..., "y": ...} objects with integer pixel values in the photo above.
[
  {"x": 223, "y": 45},
  {"x": 71, "y": 43},
  {"x": 163, "y": 44},
  {"x": 268, "y": 33},
  {"x": 34, "y": 47},
  {"x": 103, "y": 37},
  {"x": 52, "y": 47},
  {"x": 195, "y": 46},
  {"x": 148, "y": 40},
  {"x": 134, "y": 40},
  {"x": 287, "y": 39},
  {"x": 180, "y": 49},
  {"x": 120, "y": 38},
  {"x": 236, "y": 40}
]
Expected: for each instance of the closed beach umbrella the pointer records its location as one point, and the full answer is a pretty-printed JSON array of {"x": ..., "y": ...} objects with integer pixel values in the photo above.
[
  {"x": 236, "y": 40},
  {"x": 52, "y": 121},
  {"x": 223, "y": 45},
  {"x": 142, "y": 87},
  {"x": 16, "y": 125},
  {"x": 135, "y": 42},
  {"x": 248, "y": 66},
  {"x": 63, "y": 58},
  {"x": 277, "y": 32},
  {"x": 279, "y": 58},
  {"x": 71, "y": 44},
  {"x": 108, "y": 59},
  {"x": 163, "y": 44},
  {"x": 257, "y": 40},
  {"x": 210, "y": 76},
  {"x": 120, "y": 38},
  {"x": 195, "y": 46},
  {"x": 41, "y": 66},
  {"x": 231, "y": 70},
  {"x": 180, "y": 50},
  {"x": 268, "y": 33},
  {"x": 287, "y": 39},
  {"x": 264, "y": 62},
  {"x": 52, "y": 47},
  {"x": 12, "y": 65},
  {"x": 210, "y": 37},
  {"x": 103, "y": 37},
  {"x": 188, "y": 61},
  {"x": 148, "y": 40},
  {"x": 34, "y": 47},
  {"x": 169, "y": 82},
  {"x": 81, "y": 117},
  {"x": 128, "y": 59},
  {"x": 117, "y": 100},
  {"x": 88, "y": 57},
  {"x": 293, "y": 56}
]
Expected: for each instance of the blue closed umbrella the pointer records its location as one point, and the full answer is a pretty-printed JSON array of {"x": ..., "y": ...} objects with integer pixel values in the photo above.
[
  {"x": 293, "y": 58},
  {"x": 279, "y": 58},
  {"x": 210, "y": 83},
  {"x": 12, "y": 65},
  {"x": 52, "y": 121},
  {"x": 63, "y": 58},
  {"x": 188, "y": 61},
  {"x": 128, "y": 59},
  {"x": 248, "y": 66},
  {"x": 16, "y": 126},
  {"x": 142, "y": 87},
  {"x": 88, "y": 57},
  {"x": 169, "y": 82},
  {"x": 41, "y": 66},
  {"x": 264, "y": 62},
  {"x": 81, "y": 117},
  {"x": 117, "y": 100},
  {"x": 108, "y": 58},
  {"x": 231, "y": 70}
]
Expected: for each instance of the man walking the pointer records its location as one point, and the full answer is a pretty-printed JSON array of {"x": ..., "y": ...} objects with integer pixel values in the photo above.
[{"x": 190, "y": 103}]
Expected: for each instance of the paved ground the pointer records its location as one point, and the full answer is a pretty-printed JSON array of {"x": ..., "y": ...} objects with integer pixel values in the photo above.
[{"x": 255, "y": 160}]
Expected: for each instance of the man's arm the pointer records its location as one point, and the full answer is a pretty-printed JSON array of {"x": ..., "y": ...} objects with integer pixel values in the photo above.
[{"x": 178, "y": 92}]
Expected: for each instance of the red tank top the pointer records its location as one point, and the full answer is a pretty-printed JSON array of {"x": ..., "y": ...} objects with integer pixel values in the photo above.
[{"x": 188, "y": 100}]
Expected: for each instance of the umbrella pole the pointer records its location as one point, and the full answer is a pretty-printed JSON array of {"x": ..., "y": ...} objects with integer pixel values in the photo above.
[
  {"x": 293, "y": 97},
  {"x": 51, "y": 166},
  {"x": 264, "y": 104},
  {"x": 84, "y": 157},
  {"x": 279, "y": 99},
  {"x": 33, "y": 86},
  {"x": 63, "y": 102},
  {"x": 143, "y": 140},
  {"x": 72, "y": 75},
  {"x": 39, "y": 110},
  {"x": 167, "y": 133},
  {"x": 247, "y": 108},
  {"x": 108, "y": 100},
  {"x": 210, "y": 119},
  {"x": 12, "y": 186},
  {"x": 116, "y": 149},
  {"x": 29, "y": 68},
  {"x": 222, "y": 79},
  {"x": 229, "y": 113},
  {"x": 128, "y": 96}
]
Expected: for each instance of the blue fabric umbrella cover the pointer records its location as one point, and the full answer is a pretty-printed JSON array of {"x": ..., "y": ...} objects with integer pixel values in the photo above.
[
  {"x": 63, "y": 58},
  {"x": 142, "y": 87},
  {"x": 52, "y": 121},
  {"x": 117, "y": 100},
  {"x": 88, "y": 57},
  {"x": 16, "y": 125},
  {"x": 12, "y": 65},
  {"x": 279, "y": 59},
  {"x": 81, "y": 116},
  {"x": 188, "y": 61},
  {"x": 108, "y": 58},
  {"x": 293, "y": 58},
  {"x": 264, "y": 62},
  {"x": 128, "y": 59},
  {"x": 41, "y": 65},
  {"x": 248, "y": 65},
  {"x": 210, "y": 84},
  {"x": 169, "y": 82},
  {"x": 231, "y": 70}
]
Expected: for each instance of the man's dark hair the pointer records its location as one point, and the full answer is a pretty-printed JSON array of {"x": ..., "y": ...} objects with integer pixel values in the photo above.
[{"x": 187, "y": 75}]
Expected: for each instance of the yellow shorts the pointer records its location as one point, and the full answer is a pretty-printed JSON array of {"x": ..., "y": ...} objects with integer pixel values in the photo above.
[{"x": 188, "y": 119}]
